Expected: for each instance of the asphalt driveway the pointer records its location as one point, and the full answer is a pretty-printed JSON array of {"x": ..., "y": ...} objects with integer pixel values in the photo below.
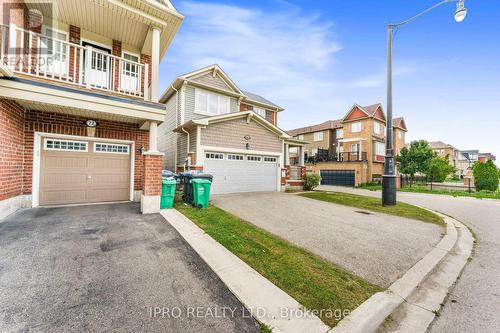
[
  {"x": 108, "y": 268},
  {"x": 378, "y": 247}
]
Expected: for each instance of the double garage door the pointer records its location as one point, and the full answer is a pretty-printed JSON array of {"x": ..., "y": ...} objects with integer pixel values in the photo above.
[
  {"x": 338, "y": 177},
  {"x": 234, "y": 173},
  {"x": 73, "y": 171}
]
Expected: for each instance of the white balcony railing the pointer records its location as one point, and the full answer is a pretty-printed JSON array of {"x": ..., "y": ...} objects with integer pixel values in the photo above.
[{"x": 34, "y": 54}]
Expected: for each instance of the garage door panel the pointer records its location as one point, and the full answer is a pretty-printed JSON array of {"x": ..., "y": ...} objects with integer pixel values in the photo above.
[
  {"x": 241, "y": 176},
  {"x": 338, "y": 177},
  {"x": 85, "y": 176}
]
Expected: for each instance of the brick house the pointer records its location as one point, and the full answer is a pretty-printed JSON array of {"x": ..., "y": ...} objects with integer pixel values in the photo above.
[
  {"x": 213, "y": 126},
  {"x": 349, "y": 151},
  {"x": 455, "y": 157},
  {"x": 79, "y": 101}
]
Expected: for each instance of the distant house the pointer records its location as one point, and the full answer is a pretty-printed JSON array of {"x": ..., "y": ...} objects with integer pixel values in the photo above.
[
  {"x": 351, "y": 150},
  {"x": 455, "y": 156}
]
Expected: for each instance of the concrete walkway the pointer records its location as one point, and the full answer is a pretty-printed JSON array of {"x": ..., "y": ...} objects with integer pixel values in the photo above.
[
  {"x": 107, "y": 268},
  {"x": 378, "y": 247}
]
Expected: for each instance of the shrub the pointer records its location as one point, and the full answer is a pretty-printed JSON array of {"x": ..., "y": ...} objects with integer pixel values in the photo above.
[
  {"x": 485, "y": 176},
  {"x": 312, "y": 181},
  {"x": 439, "y": 168}
]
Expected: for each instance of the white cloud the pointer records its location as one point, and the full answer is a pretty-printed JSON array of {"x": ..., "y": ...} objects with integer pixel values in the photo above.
[{"x": 288, "y": 56}]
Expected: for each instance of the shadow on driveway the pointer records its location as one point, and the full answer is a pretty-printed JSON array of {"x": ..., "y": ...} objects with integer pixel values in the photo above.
[{"x": 107, "y": 267}]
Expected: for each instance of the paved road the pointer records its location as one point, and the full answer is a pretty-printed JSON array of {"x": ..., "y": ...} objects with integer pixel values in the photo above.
[
  {"x": 102, "y": 268},
  {"x": 378, "y": 247},
  {"x": 474, "y": 303}
]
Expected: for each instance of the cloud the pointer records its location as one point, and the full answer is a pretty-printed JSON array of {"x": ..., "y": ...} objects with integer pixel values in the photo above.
[{"x": 286, "y": 55}]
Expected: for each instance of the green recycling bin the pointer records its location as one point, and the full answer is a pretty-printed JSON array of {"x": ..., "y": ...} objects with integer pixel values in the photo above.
[
  {"x": 167, "y": 192},
  {"x": 201, "y": 192}
]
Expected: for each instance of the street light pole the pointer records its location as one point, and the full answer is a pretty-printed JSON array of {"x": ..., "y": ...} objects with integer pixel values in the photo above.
[{"x": 389, "y": 176}]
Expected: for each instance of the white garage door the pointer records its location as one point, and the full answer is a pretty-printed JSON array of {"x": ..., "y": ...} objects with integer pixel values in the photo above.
[{"x": 235, "y": 173}]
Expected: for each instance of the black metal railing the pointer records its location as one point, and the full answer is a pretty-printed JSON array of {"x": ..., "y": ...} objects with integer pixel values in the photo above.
[{"x": 338, "y": 157}]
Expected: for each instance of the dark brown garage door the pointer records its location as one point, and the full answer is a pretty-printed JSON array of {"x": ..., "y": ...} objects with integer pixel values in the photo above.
[{"x": 74, "y": 171}]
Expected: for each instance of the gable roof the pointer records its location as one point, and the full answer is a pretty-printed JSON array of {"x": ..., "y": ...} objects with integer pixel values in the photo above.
[
  {"x": 439, "y": 145},
  {"x": 400, "y": 123},
  {"x": 230, "y": 116},
  {"x": 329, "y": 124},
  {"x": 197, "y": 78},
  {"x": 369, "y": 110}
]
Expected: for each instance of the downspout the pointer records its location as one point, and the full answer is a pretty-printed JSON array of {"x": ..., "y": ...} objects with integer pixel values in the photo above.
[
  {"x": 176, "y": 125},
  {"x": 187, "y": 147}
]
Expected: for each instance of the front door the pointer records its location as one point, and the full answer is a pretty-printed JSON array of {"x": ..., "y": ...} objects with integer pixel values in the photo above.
[{"x": 99, "y": 72}]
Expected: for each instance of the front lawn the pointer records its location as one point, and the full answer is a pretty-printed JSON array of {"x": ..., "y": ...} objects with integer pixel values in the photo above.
[
  {"x": 374, "y": 204},
  {"x": 311, "y": 280},
  {"x": 426, "y": 189}
]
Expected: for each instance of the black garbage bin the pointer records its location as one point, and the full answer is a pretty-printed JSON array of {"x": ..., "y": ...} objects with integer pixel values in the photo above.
[{"x": 186, "y": 178}]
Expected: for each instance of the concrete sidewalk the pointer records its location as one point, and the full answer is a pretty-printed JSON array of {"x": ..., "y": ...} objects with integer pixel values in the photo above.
[{"x": 378, "y": 247}]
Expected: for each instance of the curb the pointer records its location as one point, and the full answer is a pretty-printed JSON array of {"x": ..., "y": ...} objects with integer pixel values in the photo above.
[
  {"x": 373, "y": 312},
  {"x": 253, "y": 290}
]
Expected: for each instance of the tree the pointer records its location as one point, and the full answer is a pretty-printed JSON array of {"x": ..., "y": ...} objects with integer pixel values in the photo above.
[
  {"x": 485, "y": 176},
  {"x": 439, "y": 168},
  {"x": 415, "y": 159}
]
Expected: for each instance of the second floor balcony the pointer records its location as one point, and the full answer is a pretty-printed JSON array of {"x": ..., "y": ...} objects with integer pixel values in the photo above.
[
  {"x": 88, "y": 66},
  {"x": 338, "y": 157}
]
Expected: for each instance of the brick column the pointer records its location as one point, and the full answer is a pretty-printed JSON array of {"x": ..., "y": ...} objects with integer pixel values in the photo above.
[
  {"x": 117, "y": 52},
  {"x": 74, "y": 64},
  {"x": 151, "y": 183}
]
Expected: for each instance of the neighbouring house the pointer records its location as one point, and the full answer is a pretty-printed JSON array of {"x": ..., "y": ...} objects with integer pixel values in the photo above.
[
  {"x": 471, "y": 155},
  {"x": 213, "y": 126},
  {"x": 349, "y": 151},
  {"x": 79, "y": 101},
  {"x": 455, "y": 157},
  {"x": 485, "y": 157}
]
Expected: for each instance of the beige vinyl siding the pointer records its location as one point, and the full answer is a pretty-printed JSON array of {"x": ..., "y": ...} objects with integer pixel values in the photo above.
[
  {"x": 181, "y": 148},
  {"x": 167, "y": 139},
  {"x": 231, "y": 134},
  {"x": 211, "y": 81},
  {"x": 192, "y": 145}
]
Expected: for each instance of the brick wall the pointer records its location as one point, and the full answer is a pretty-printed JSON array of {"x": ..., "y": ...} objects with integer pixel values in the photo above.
[
  {"x": 117, "y": 52},
  {"x": 11, "y": 149},
  {"x": 36, "y": 121},
  {"x": 74, "y": 37},
  {"x": 151, "y": 182}
]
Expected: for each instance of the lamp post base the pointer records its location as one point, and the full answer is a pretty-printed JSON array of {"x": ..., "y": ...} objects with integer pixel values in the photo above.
[{"x": 389, "y": 190}]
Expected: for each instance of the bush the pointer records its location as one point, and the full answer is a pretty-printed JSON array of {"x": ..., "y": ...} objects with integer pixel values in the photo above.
[
  {"x": 312, "y": 181},
  {"x": 485, "y": 176},
  {"x": 439, "y": 168}
]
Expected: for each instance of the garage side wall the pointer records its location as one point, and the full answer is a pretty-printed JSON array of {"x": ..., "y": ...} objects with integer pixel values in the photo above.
[
  {"x": 11, "y": 149},
  {"x": 231, "y": 134},
  {"x": 37, "y": 121}
]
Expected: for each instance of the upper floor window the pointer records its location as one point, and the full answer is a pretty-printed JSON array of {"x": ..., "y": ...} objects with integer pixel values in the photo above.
[
  {"x": 300, "y": 137},
  {"x": 379, "y": 148},
  {"x": 260, "y": 111},
  {"x": 356, "y": 127},
  {"x": 211, "y": 103},
  {"x": 318, "y": 136},
  {"x": 55, "y": 50},
  {"x": 340, "y": 133},
  {"x": 400, "y": 135},
  {"x": 377, "y": 128}
]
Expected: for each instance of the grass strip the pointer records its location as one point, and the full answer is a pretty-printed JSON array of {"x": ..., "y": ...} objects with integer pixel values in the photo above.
[
  {"x": 374, "y": 204},
  {"x": 326, "y": 289}
]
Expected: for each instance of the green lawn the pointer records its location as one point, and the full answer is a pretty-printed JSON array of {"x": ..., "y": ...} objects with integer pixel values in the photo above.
[
  {"x": 314, "y": 282},
  {"x": 374, "y": 204},
  {"x": 425, "y": 189}
]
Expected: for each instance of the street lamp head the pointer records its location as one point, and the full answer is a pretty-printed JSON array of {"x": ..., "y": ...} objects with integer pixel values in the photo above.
[{"x": 461, "y": 11}]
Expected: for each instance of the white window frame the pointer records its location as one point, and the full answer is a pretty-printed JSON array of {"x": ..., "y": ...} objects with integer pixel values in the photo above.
[
  {"x": 377, "y": 128},
  {"x": 274, "y": 159},
  {"x": 254, "y": 158},
  {"x": 213, "y": 156},
  {"x": 111, "y": 152},
  {"x": 379, "y": 148},
  {"x": 198, "y": 91},
  {"x": 316, "y": 134},
  {"x": 228, "y": 157},
  {"x": 339, "y": 133},
  {"x": 63, "y": 42},
  {"x": 260, "y": 111},
  {"x": 301, "y": 137},
  {"x": 62, "y": 149},
  {"x": 358, "y": 148},
  {"x": 355, "y": 129}
]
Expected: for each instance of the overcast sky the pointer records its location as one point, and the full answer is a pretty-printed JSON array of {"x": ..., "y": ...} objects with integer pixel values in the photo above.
[{"x": 317, "y": 58}]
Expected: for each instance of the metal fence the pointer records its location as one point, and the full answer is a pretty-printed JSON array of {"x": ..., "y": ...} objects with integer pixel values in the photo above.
[{"x": 408, "y": 181}]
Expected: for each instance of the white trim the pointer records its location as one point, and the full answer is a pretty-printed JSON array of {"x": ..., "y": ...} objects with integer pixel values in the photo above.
[
  {"x": 275, "y": 159},
  {"x": 111, "y": 152},
  {"x": 239, "y": 151},
  {"x": 90, "y": 41},
  {"x": 253, "y": 156},
  {"x": 208, "y": 92},
  {"x": 235, "y": 160},
  {"x": 351, "y": 139},
  {"x": 71, "y": 150},
  {"x": 35, "y": 189}
]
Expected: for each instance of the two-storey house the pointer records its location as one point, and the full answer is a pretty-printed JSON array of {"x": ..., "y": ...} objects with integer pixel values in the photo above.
[
  {"x": 213, "y": 126},
  {"x": 455, "y": 157},
  {"x": 79, "y": 104},
  {"x": 351, "y": 150}
]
